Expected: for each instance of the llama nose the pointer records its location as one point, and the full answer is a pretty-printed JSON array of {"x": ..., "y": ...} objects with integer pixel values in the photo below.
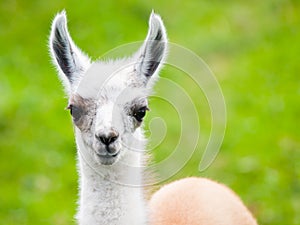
[{"x": 107, "y": 138}]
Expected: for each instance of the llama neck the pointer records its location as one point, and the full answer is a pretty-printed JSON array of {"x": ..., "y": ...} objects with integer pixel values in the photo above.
[{"x": 110, "y": 195}]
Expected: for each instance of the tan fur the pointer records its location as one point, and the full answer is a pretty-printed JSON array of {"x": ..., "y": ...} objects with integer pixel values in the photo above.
[{"x": 198, "y": 201}]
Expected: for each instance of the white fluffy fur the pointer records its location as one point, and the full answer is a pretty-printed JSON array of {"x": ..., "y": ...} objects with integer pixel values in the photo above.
[
  {"x": 102, "y": 199},
  {"x": 102, "y": 96}
]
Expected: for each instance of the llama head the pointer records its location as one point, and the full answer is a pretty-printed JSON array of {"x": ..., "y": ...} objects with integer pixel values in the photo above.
[{"x": 108, "y": 100}]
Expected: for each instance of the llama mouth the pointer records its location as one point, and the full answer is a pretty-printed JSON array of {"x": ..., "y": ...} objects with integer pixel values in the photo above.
[
  {"x": 107, "y": 159},
  {"x": 107, "y": 156}
]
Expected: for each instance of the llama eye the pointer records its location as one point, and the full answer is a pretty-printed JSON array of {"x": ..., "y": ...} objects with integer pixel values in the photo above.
[
  {"x": 75, "y": 111},
  {"x": 140, "y": 113}
]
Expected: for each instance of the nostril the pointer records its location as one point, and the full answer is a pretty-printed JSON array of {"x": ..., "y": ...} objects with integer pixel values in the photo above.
[
  {"x": 104, "y": 140},
  {"x": 107, "y": 139}
]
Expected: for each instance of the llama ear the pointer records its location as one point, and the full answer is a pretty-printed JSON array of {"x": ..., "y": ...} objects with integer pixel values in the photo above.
[
  {"x": 153, "y": 51},
  {"x": 70, "y": 61}
]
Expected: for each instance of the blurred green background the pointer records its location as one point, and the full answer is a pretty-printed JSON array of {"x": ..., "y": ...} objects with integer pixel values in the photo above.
[{"x": 253, "y": 49}]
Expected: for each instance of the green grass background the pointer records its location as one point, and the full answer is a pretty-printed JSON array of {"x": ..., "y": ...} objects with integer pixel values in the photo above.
[{"x": 253, "y": 49}]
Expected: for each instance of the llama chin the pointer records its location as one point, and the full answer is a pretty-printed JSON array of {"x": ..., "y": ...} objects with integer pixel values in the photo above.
[{"x": 108, "y": 101}]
